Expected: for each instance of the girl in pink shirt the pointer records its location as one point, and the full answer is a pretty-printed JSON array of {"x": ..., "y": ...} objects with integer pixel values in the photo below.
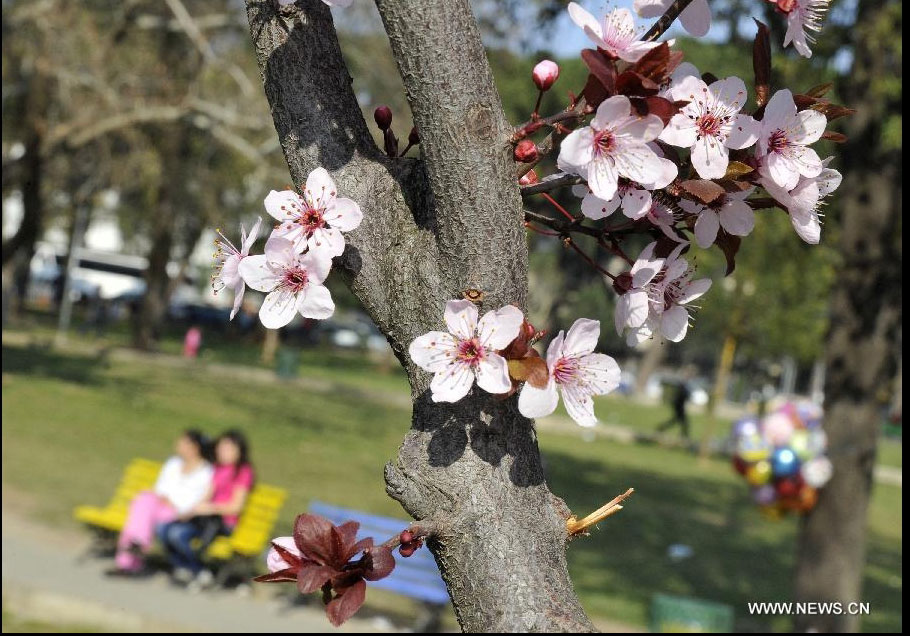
[{"x": 216, "y": 515}]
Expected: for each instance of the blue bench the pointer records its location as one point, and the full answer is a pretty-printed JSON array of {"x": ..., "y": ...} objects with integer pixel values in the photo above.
[{"x": 416, "y": 576}]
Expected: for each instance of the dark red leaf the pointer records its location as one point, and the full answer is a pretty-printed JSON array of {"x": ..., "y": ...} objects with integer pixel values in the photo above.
[
  {"x": 654, "y": 63},
  {"x": 344, "y": 537},
  {"x": 633, "y": 84},
  {"x": 343, "y": 606},
  {"x": 702, "y": 189},
  {"x": 836, "y": 137},
  {"x": 676, "y": 58},
  {"x": 602, "y": 68},
  {"x": 761, "y": 63},
  {"x": 663, "y": 108},
  {"x": 729, "y": 245},
  {"x": 313, "y": 535},
  {"x": 382, "y": 562},
  {"x": 804, "y": 101},
  {"x": 312, "y": 577},
  {"x": 281, "y": 576},
  {"x": 360, "y": 546},
  {"x": 594, "y": 92}
]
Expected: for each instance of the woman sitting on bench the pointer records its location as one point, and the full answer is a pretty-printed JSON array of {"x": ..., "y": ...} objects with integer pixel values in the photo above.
[
  {"x": 182, "y": 484},
  {"x": 187, "y": 538}
]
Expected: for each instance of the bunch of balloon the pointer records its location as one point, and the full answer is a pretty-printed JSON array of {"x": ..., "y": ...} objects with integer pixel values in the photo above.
[{"x": 782, "y": 457}]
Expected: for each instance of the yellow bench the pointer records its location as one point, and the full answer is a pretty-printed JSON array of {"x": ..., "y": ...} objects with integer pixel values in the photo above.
[{"x": 251, "y": 535}]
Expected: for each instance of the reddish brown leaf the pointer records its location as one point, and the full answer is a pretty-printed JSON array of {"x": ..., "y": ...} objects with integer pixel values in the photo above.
[
  {"x": 836, "y": 137},
  {"x": 286, "y": 575},
  {"x": 343, "y": 606},
  {"x": 663, "y": 108},
  {"x": 313, "y": 535},
  {"x": 804, "y": 101},
  {"x": 761, "y": 63},
  {"x": 729, "y": 245},
  {"x": 312, "y": 577},
  {"x": 631, "y": 83},
  {"x": 531, "y": 369},
  {"x": 344, "y": 536},
  {"x": 832, "y": 111},
  {"x": 594, "y": 92},
  {"x": 382, "y": 562},
  {"x": 602, "y": 68},
  {"x": 702, "y": 189},
  {"x": 819, "y": 90},
  {"x": 676, "y": 58},
  {"x": 654, "y": 63}
]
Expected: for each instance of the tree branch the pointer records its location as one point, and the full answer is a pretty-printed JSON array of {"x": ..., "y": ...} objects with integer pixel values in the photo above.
[{"x": 663, "y": 22}]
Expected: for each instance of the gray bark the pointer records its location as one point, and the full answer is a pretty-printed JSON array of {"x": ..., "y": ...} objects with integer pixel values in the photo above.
[
  {"x": 432, "y": 229},
  {"x": 864, "y": 337}
]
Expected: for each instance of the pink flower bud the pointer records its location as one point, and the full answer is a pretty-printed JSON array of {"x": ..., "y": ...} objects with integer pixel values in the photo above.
[
  {"x": 273, "y": 560},
  {"x": 526, "y": 151},
  {"x": 406, "y": 536},
  {"x": 545, "y": 74},
  {"x": 529, "y": 178},
  {"x": 383, "y": 117},
  {"x": 622, "y": 283}
]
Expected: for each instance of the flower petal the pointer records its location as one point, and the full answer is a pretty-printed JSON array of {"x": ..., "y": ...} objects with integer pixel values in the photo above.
[
  {"x": 555, "y": 349},
  {"x": 493, "y": 374},
  {"x": 433, "y": 351},
  {"x": 695, "y": 289},
  {"x": 810, "y": 129},
  {"x": 320, "y": 188},
  {"x": 696, "y": 18},
  {"x": 593, "y": 207},
  {"x": 610, "y": 111},
  {"x": 579, "y": 405},
  {"x": 461, "y": 318},
  {"x": 584, "y": 19},
  {"x": 315, "y": 302},
  {"x": 576, "y": 151},
  {"x": 278, "y": 309},
  {"x": 637, "y": 162},
  {"x": 317, "y": 265},
  {"x": 743, "y": 133},
  {"x": 636, "y": 203},
  {"x": 737, "y": 218},
  {"x": 249, "y": 239},
  {"x": 600, "y": 373},
  {"x": 534, "y": 402},
  {"x": 498, "y": 328},
  {"x": 255, "y": 272},
  {"x": 344, "y": 215},
  {"x": 328, "y": 241},
  {"x": 452, "y": 383},
  {"x": 280, "y": 204},
  {"x": 603, "y": 178},
  {"x": 239, "y": 290},
  {"x": 582, "y": 337},
  {"x": 631, "y": 310},
  {"x": 674, "y": 322},
  {"x": 706, "y": 227},
  {"x": 710, "y": 158}
]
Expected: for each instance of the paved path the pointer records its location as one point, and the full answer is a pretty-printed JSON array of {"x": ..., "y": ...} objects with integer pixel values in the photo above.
[{"x": 43, "y": 580}]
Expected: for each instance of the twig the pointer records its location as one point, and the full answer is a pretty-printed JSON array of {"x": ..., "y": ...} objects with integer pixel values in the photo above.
[
  {"x": 590, "y": 261},
  {"x": 550, "y": 183},
  {"x": 576, "y": 527},
  {"x": 663, "y": 22}
]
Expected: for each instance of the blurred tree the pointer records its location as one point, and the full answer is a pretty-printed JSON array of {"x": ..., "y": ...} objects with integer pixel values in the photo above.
[{"x": 863, "y": 343}]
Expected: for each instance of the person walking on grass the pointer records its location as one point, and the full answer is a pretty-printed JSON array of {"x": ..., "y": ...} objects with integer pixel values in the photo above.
[
  {"x": 187, "y": 538},
  {"x": 182, "y": 484},
  {"x": 681, "y": 394}
]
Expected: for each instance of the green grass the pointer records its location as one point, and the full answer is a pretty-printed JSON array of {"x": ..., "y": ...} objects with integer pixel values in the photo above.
[
  {"x": 15, "y": 624},
  {"x": 71, "y": 422}
]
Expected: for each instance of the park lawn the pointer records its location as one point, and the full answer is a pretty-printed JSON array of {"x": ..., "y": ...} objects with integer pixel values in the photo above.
[{"x": 70, "y": 423}]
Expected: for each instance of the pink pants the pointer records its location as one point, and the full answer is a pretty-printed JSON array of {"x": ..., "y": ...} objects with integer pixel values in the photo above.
[{"x": 146, "y": 512}]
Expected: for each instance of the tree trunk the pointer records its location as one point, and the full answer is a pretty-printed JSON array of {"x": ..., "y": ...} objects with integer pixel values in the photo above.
[
  {"x": 863, "y": 339},
  {"x": 433, "y": 229}
]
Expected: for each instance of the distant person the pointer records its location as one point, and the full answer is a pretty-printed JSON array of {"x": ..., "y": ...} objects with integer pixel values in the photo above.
[
  {"x": 183, "y": 482},
  {"x": 681, "y": 394},
  {"x": 187, "y": 538},
  {"x": 192, "y": 341}
]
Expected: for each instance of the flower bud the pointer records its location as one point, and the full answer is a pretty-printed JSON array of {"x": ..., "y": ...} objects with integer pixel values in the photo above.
[
  {"x": 407, "y": 550},
  {"x": 545, "y": 74},
  {"x": 526, "y": 151},
  {"x": 529, "y": 178},
  {"x": 414, "y": 137},
  {"x": 383, "y": 117},
  {"x": 406, "y": 536},
  {"x": 622, "y": 283}
]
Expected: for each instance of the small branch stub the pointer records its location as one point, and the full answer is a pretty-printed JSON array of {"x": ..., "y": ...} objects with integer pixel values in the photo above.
[{"x": 576, "y": 527}]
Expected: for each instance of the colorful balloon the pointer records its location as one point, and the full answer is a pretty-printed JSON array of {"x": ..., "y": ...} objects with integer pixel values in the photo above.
[
  {"x": 759, "y": 473},
  {"x": 817, "y": 471},
  {"x": 764, "y": 495},
  {"x": 784, "y": 462},
  {"x": 778, "y": 429}
]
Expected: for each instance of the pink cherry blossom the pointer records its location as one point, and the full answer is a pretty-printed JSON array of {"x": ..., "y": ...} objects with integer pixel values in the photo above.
[
  {"x": 467, "y": 352},
  {"x": 806, "y": 15},
  {"x": 730, "y": 212},
  {"x": 616, "y": 34},
  {"x": 663, "y": 218},
  {"x": 784, "y": 138},
  {"x": 292, "y": 282},
  {"x": 316, "y": 220},
  {"x": 273, "y": 560},
  {"x": 695, "y": 19},
  {"x": 710, "y": 123},
  {"x": 803, "y": 202},
  {"x": 614, "y": 145},
  {"x": 576, "y": 372},
  {"x": 681, "y": 72},
  {"x": 669, "y": 287},
  {"x": 545, "y": 73},
  {"x": 635, "y": 202},
  {"x": 227, "y": 272}
]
